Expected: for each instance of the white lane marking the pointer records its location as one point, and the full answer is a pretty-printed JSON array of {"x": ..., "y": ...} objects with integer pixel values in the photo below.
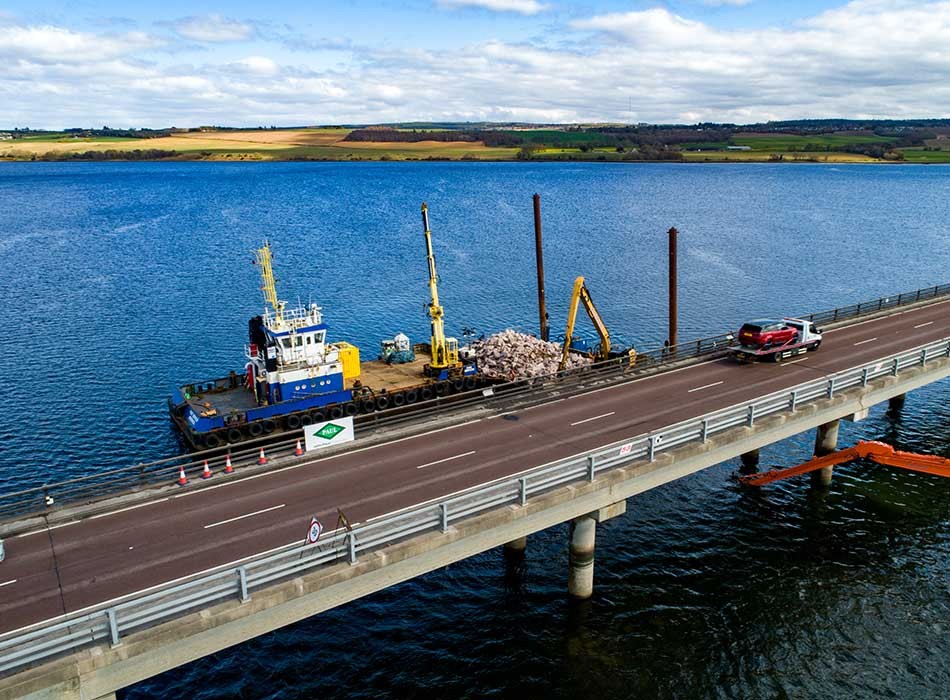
[
  {"x": 705, "y": 386},
  {"x": 447, "y": 459},
  {"x": 7, "y": 583},
  {"x": 862, "y": 342},
  {"x": 46, "y": 529},
  {"x": 588, "y": 420},
  {"x": 921, "y": 325},
  {"x": 247, "y": 515},
  {"x": 792, "y": 362},
  {"x": 122, "y": 510}
]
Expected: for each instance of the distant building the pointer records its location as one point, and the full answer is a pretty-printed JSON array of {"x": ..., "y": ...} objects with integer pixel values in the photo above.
[
  {"x": 738, "y": 148},
  {"x": 5, "y": 136}
]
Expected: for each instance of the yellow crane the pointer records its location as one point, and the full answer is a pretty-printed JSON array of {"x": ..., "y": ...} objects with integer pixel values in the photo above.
[
  {"x": 445, "y": 351},
  {"x": 580, "y": 294},
  {"x": 262, "y": 256}
]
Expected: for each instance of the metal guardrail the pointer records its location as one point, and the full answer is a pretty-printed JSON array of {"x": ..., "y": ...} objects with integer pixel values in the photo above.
[
  {"x": 139, "y": 611},
  {"x": 39, "y": 500}
]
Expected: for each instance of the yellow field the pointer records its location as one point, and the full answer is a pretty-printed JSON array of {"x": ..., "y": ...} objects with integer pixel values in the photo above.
[{"x": 267, "y": 144}]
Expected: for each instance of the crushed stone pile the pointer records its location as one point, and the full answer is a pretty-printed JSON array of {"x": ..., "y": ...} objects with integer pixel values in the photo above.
[{"x": 514, "y": 355}]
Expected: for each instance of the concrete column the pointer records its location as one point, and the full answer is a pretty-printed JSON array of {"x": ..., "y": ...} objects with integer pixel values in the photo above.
[
  {"x": 826, "y": 442},
  {"x": 750, "y": 462},
  {"x": 580, "y": 580},
  {"x": 896, "y": 403},
  {"x": 516, "y": 546}
]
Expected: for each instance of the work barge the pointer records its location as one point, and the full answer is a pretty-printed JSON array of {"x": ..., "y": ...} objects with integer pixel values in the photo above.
[{"x": 294, "y": 376}]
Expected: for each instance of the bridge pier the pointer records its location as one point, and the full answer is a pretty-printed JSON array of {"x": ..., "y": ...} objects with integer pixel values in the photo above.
[
  {"x": 896, "y": 403},
  {"x": 826, "y": 442},
  {"x": 580, "y": 581},
  {"x": 516, "y": 547},
  {"x": 750, "y": 462}
]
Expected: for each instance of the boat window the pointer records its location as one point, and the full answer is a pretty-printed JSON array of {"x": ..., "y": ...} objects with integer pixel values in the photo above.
[
  {"x": 309, "y": 340},
  {"x": 319, "y": 335},
  {"x": 285, "y": 342}
]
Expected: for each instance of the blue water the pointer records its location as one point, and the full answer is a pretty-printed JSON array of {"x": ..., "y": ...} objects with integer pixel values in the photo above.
[{"x": 124, "y": 280}]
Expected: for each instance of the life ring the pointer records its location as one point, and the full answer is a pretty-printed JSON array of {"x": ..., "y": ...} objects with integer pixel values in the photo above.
[
  {"x": 292, "y": 421},
  {"x": 255, "y": 430}
]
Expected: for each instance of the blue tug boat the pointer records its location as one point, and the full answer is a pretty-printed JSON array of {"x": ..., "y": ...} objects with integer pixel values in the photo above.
[{"x": 295, "y": 377}]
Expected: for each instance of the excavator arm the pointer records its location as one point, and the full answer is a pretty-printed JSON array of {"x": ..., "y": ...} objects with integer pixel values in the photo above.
[{"x": 581, "y": 295}]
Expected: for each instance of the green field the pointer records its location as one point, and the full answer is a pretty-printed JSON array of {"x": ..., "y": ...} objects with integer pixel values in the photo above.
[
  {"x": 917, "y": 155},
  {"x": 783, "y": 143}
]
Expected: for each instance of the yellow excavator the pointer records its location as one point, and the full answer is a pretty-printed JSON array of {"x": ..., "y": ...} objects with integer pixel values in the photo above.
[
  {"x": 602, "y": 351},
  {"x": 445, "y": 351}
]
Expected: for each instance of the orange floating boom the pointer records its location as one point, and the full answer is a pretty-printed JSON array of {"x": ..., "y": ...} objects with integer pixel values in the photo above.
[{"x": 879, "y": 452}]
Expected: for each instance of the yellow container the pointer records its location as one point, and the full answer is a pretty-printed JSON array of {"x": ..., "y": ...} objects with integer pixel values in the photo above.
[{"x": 350, "y": 356}]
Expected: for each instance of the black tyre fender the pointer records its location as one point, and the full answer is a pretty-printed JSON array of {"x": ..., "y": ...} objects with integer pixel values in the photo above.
[
  {"x": 317, "y": 416},
  {"x": 470, "y": 383},
  {"x": 399, "y": 399},
  {"x": 292, "y": 421},
  {"x": 442, "y": 388},
  {"x": 336, "y": 412},
  {"x": 426, "y": 393},
  {"x": 255, "y": 430},
  {"x": 412, "y": 396},
  {"x": 235, "y": 435},
  {"x": 368, "y": 405},
  {"x": 212, "y": 440},
  {"x": 458, "y": 385},
  {"x": 382, "y": 402},
  {"x": 351, "y": 409},
  {"x": 305, "y": 419},
  {"x": 269, "y": 426}
]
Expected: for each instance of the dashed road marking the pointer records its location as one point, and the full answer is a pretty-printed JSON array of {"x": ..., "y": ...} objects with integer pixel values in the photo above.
[
  {"x": 447, "y": 459},
  {"x": 588, "y": 420},
  {"x": 921, "y": 325},
  {"x": 7, "y": 583},
  {"x": 122, "y": 510},
  {"x": 862, "y": 342},
  {"x": 705, "y": 386},
  {"x": 247, "y": 515}
]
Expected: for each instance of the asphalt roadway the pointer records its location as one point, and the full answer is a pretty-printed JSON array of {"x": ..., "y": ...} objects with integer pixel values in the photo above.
[{"x": 71, "y": 566}]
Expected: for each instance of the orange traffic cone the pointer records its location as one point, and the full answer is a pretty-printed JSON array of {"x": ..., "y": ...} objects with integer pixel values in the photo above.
[
  {"x": 227, "y": 464},
  {"x": 299, "y": 450},
  {"x": 262, "y": 459},
  {"x": 206, "y": 473},
  {"x": 182, "y": 479}
]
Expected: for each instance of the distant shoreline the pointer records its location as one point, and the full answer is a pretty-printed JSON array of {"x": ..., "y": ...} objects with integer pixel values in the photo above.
[{"x": 341, "y": 145}]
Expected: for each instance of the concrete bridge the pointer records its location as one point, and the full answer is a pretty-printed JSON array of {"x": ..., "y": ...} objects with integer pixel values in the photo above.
[{"x": 94, "y": 604}]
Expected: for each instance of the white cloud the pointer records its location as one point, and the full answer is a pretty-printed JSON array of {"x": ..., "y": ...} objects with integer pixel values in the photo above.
[
  {"x": 869, "y": 58},
  {"x": 523, "y": 7},
  {"x": 260, "y": 65},
  {"x": 213, "y": 28},
  {"x": 47, "y": 44},
  {"x": 720, "y": 3}
]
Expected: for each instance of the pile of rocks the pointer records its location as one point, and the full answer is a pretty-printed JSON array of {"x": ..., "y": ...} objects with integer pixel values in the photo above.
[{"x": 513, "y": 355}]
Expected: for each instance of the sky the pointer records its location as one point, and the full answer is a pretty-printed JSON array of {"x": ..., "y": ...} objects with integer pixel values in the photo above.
[{"x": 83, "y": 64}]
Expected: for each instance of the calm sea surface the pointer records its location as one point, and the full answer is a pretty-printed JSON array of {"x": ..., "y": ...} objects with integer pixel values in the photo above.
[{"x": 123, "y": 280}]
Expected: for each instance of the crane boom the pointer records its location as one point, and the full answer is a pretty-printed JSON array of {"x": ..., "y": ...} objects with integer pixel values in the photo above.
[
  {"x": 445, "y": 354},
  {"x": 262, "y": 256}
]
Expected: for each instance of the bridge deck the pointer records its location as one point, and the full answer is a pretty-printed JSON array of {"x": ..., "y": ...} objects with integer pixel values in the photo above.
[{"x": 102, "y": 558}]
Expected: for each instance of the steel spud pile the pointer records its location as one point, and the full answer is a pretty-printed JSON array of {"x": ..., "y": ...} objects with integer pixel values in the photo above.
[{"x": 513, "y": 355}]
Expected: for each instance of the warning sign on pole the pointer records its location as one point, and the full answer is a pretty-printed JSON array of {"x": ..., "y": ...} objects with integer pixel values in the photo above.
[{"x": 316, "y": 529}]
